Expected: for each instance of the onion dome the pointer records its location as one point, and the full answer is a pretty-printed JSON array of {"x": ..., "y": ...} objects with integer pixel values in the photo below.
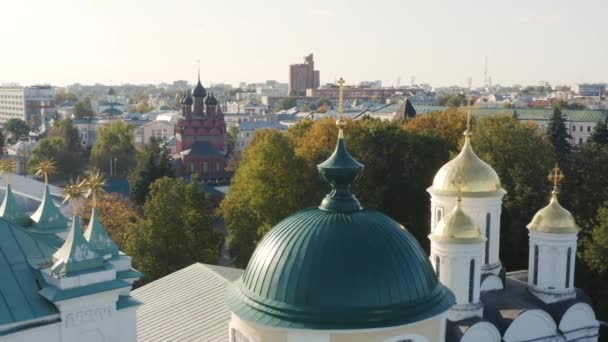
[
  {"x": 111, "y": 92},
  {"x": 457, "y": 227},
  {"x": 554, "y": 219},
  {"x": 211, "y": 100},
  {"x": 76, "y": 254},
  {"x": 11, "y": 211},
  {"x": 188, "y": 101},
  {"x": 98, "y": 238},
  {"x": 338, "y": 266},
  {"x": 47, "y": 218},
  {"x": 199, "y": 90},
  {"x": 467, "y": 171}
]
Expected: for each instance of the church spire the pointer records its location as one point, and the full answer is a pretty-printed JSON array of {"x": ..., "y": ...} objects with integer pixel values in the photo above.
[
  {"x": 47, "y": 218},
  {"x": 340, "y": 170},
  {"x": 96, "y": 234}
]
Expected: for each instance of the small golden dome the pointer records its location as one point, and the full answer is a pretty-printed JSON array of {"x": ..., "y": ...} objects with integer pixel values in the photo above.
[
  {"x": 457, "y": 227},
  {"x": 467, "y": 171},
  {"x": 554, "y": 219}
]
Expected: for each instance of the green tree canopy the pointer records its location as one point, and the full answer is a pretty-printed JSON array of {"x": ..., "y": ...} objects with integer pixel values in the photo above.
[
  {"x": 55, "y": 148},
  {"x": 287, "y": 103},
  {"x": 115, "y": 142},
  {"x": 324, "y": 102},
  {"x": 600, "y": 133},
  {"x": 172, "y": 236},
  {"x": 83, "y": 109},
  {"x": 523, "y": 157},
  {"x": 559, "y": 135},
  {"x": 15, "y": 129},
  {"x": 152, "y": 163}
]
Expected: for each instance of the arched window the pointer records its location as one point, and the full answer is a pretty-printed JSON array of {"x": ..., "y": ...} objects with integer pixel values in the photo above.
[
  {"x": 471, "y": 280},
  {"x": 568, "y": 262},
  {"x": 488, "y": 222},
  {"x": 535, "y": 265},
  {"x": 438, "y": 266}
]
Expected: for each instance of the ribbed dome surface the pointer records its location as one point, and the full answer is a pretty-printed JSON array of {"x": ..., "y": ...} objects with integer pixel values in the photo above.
[
  {"x": 554, "y": 219},
  {"x": 322, "y": 269},
  {"x": 467, "y": 169}
]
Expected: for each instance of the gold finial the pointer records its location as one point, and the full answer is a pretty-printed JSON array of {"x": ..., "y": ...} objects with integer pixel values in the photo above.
[
  {"x": 45, "y": 168},
  {"x": 468, "y": 131},
  {"x": 94, "y": 186},
  {"x": 340, "y": 122},
  {"x": 7, "y": 166},
  {"x": 73, "y": 192},
  {"x": 556, "y": 176}
]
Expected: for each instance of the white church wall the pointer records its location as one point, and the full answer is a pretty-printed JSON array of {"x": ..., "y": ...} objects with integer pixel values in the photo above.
[
  {"x": 531, "y": 325},
  {"x": 46, "y": 333},
  {"x": 579, "y": 324}
]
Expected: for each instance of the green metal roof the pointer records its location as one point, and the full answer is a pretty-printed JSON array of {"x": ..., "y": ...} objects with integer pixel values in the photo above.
[
  {"x": 19, "y": 299},
  {"x": 76, "y": 254},
  {"x": 55, "y": 294},
  {"x": 528, "y": 113},
  {"x": 338, "y": 266},
  {"x": 98, "y": 238},
  {"x": 47, "y": 218},
  {"x": 11, "y": 211}
]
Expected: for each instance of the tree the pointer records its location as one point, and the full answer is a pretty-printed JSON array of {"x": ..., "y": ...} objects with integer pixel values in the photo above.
[
  {"x": 269, "y": 173},
  {"x": 83, "y": 109},
  {"x": 324, "y": 102},
  {"x": 447, "y": 125},
  {"x": 287, "y": 103},
  {"x": 600, "y": 133},
  {"x": 66, "y": 130},
  {"x": 15, "y": 129},
  {"x": 118, "y": 215},
  {"x": 522, "y": 157},
  {"x": 452, "y": 100},
  {"x": 172, "y": 236},
  {"x": 593, "y": 276},
  {"x": 115, "y": 144},
  {"x": 559, "y": 135},
  {"x": 55, "y": 149},
  {"x": 233, "y": 133},
  {"x": 152, "y": 163},
  {"x": 144, "y": 107}
]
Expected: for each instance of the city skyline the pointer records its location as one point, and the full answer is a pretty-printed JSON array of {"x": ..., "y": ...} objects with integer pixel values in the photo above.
[{"x": 439, "y": 42}]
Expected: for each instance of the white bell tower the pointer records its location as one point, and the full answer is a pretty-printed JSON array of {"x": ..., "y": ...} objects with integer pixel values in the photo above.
[
  {"x": 553, "y": 237},
  {"x": 481, "y": 194}
]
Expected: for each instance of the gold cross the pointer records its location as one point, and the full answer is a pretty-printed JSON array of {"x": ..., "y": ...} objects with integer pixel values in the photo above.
[
  {"x": 340, "y": 123},
  {"x": 458, "y": 183},
  {"x": 556, "y": 176}
]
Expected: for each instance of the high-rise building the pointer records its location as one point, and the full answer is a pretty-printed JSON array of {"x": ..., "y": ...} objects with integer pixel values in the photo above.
[
  {"x": 30, "y": 104},
  {"x": 303, "y": 76}
]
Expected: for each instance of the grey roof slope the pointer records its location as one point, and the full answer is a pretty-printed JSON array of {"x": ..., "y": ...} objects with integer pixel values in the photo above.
[{"x": 188, "y": 305}]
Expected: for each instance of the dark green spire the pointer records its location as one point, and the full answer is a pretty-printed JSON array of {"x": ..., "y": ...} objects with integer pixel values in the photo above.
[
  {"x": 340, "y": 170},
  {"x": 11, "y": 211}
]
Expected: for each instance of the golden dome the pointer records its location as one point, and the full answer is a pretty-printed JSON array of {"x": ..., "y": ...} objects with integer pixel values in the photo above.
[
  {"x": 468, "y": 172},
  {"x": 554, "y": 219},
  {"x": 457, "y": 227}
]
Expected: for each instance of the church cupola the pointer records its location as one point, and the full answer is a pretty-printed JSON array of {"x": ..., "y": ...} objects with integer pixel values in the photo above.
[
  {"x": 456, "y": 255},
  {"x": 481, "y": 193},
  {"x": 553, "y": 236},
  {"x": 187, "y": 102}
]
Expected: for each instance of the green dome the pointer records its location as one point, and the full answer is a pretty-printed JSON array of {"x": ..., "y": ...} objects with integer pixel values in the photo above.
[{"x": 338, "y": 266}]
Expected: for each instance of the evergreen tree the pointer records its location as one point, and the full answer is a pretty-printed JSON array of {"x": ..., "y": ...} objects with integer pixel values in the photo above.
[
  {"x": 559, "y": 135},
  {"x": 152, "y": 163},
  {"x": 600, "y": 133}
]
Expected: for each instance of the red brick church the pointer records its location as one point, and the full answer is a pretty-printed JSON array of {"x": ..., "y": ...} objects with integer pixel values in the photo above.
[{"x": 201, "y": 136}]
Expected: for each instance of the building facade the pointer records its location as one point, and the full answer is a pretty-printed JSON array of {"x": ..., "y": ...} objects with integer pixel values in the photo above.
[
  {"x": 200, "y": 136},
  {"x": 30, "y": 104},
  {"x": 157, "y": 129},
  {"x": 303, "y": 76}
]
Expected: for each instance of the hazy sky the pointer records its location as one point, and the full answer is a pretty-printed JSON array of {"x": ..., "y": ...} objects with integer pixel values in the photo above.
[{"x": 440, "y": 42}]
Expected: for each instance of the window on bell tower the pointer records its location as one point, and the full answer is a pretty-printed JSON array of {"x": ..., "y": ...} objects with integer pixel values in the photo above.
[
  {"x": 535, "y": 277},
  {"x": 568, "y": 264},
  {"x": 438, "y": 266},
  {"x": 488, "y": 223}
]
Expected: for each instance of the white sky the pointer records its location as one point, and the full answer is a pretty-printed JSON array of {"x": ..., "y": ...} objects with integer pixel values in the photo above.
[{"x": 440, "y": 42}]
